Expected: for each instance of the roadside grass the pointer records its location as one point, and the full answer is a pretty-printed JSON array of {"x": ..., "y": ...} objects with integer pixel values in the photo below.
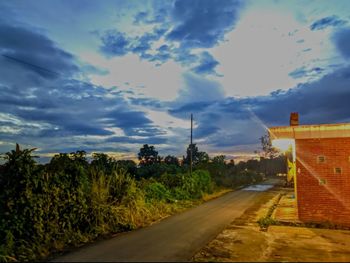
[
  {"x": 219, "y": 192},
  {"x": 53, "y": 208},
  {"x": 106, "y": 205},
  {"x": 267, "y": 220}
]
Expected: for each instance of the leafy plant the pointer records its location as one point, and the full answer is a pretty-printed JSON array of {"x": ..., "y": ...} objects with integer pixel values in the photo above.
[
  {"x": 70, "y": 201},
  {"x": 157, "y": 191}
]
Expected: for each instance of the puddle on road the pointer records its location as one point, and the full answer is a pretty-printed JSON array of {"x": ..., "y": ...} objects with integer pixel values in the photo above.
[{"x": 258, "y": 187}]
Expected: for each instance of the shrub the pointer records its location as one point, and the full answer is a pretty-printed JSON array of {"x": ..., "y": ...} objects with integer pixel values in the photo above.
[
  {"x": 68, "y": 201},
  {"x": 180, "y": 194},
  {"x": 157, "y": 191},
  {"x": 186, "y": 186}
]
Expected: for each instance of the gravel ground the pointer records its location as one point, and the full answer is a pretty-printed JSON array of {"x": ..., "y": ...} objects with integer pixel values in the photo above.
[{"x": 243, "y": 240}]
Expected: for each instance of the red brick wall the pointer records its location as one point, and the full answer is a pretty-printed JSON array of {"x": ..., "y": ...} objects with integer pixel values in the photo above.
[{"x": 331, "y": 201}]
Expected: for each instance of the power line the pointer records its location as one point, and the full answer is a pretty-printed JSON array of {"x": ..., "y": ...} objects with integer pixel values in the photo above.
[
  {"x": 191, "y": 157},
  {"x": 30, "y": 64}
]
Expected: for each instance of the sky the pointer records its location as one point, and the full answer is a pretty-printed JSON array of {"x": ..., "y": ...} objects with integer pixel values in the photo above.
[{"x": 110, "y": 76}]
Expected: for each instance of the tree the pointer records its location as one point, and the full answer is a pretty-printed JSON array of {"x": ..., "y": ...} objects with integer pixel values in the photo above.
[
  {"x": 148, "y": 155},
  {"x": 219, "y": 159},
  {"x": 128, "y": 165},
  {"x": 268, "y": 150},
  {"x": 171, "y": 160},
  {"x": 203, "y": 157},
  {"x": 68, "y": 162},
  {"x": 19, "y": 175},
  {"x": 231, "y": 163},
  {"x": 79, "y": 156},
  {"x": 194, "y": 149},
  {"x": 197, "y": 156},
  {"x": 102, "y": 161}
]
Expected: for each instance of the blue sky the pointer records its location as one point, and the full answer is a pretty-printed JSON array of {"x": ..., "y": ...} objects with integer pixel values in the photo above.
[{"x": 109, "y": 76}]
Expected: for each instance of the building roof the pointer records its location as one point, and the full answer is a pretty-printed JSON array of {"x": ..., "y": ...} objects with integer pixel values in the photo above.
[{"x": 315, "y": 131}]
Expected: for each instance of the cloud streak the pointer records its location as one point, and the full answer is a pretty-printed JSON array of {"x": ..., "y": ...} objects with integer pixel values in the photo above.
[{"x": 330, "y": 21}]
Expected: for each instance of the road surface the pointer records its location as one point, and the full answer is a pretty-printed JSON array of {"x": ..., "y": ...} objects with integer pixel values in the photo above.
[{"x": 176, "y": 238}]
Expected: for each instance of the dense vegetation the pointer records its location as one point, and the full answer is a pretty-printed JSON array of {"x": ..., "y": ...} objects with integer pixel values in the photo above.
[{"x": 70, "y": 200}]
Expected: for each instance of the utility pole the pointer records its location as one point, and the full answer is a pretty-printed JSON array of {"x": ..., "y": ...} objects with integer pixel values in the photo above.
[{"x": 191, "y": 145}]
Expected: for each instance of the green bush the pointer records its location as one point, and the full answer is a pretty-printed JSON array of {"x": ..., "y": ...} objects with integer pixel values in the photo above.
[
  {"x": 157, "y": 191},
  {"x": 180, "y": 194},
  {"x": 186, "y": 186},
  {"x": 69, "y": 201},
  {"x": 265, "y": 222}
]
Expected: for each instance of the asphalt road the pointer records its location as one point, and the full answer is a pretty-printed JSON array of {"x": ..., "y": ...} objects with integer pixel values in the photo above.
[{"x": 176, "y": 238}]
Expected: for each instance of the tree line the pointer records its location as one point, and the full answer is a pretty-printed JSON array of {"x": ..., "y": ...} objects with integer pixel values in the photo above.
[{"x": 70, "y": 200}]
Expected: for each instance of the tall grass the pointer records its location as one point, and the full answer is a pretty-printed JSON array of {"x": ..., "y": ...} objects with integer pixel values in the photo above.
[{"x": 45, "y": 209}]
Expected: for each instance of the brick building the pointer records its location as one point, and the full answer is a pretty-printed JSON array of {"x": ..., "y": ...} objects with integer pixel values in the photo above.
[{"x": 322, "y": 159}]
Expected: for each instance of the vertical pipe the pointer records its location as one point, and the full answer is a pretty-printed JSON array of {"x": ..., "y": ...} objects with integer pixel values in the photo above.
[{"x": 191, "y": 145}]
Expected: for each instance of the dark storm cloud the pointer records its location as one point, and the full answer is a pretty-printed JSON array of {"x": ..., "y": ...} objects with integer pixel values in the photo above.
[
  {"x": 322, "y": 101},
  {"x": 238, "y": 121},
  {"x": 46, "y": 110},
  {"x": 206, "y": 65},
  {"x": 128, "y": 119},
  {"x": 115, "y": 43},
  {"x": 159, "y": 16},
  {"x": 83, "y": 112},
  {"x": 202, "y": 23},
  {"x": 327, "y": 22},
  {"x": 33, "y": 51},
  {"x": 342, "y": 41},
  {"x": 194, "y": 24},
  {"x": 205, "y": 131},
  {"x": 147, "y": 102}
]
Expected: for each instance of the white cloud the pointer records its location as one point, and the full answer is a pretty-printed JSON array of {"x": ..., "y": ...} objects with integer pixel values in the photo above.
[
  {"x": 263, "y": 50},
  {"x": 132, "y": 73},
  {"x": 164, "y": 120}
]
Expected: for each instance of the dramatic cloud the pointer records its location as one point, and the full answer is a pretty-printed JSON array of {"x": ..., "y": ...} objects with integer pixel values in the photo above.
[
  {"x": 232, "y": 122},
  {"x": 198, "y": 89},
  {"x": 203, "y": 23},
  {"x": 322, "y": 101},
  {"x": 115, "y": 43},
  {"x": 206, "y": 65},
  {"x": 193, "y": 24},
  {"x": 158, "y": 14},
  {"x": 24, "y": 48},
  {"x": 113, "y": 75},
  {"x": 38, "y": 106},
  {"x": 342, "y": 40},
  {"x": 327, "y": 22}
]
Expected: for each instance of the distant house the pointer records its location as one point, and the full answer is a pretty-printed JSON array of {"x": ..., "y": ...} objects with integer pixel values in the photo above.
[{"x": 322, "y": 154}]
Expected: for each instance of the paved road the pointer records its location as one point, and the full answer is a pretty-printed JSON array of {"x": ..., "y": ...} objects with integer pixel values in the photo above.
[{"x": 176, "y": 238}]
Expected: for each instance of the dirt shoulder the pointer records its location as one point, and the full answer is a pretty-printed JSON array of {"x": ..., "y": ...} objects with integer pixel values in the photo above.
[{"x": 243, "y": 239}]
